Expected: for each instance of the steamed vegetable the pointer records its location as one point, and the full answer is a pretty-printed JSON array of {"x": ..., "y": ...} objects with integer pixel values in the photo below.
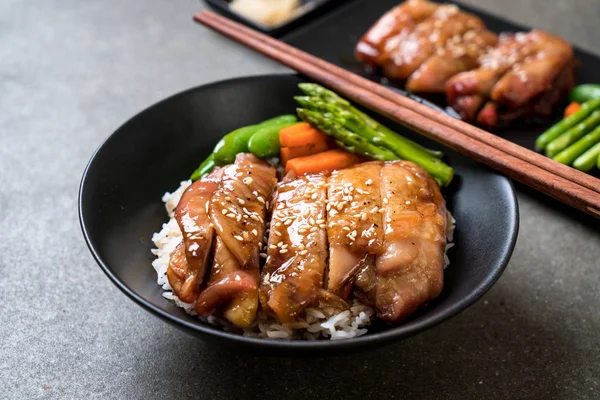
[
  {"x": 287, "y": 153},
  {"x": 204, "y": 168},
  {"x": 348, "y": 140},
  {"x": 265, "y": 142},
  {"x": 555, "y": 131},
  {"x": 585, "y": 92},
  {"x": 588, "y": 160},
  {"x": 301, "y": 134},
  {"x": 321, "y": 162},
  {"x": 572, "y": 109},
  {"x": 358, "y": 135},
  {"x": 572, "y": 152},
  {"x": 573, "y": 134},
  {"x": 237, "y": 141},
  {"x": 316, "y": 92}
]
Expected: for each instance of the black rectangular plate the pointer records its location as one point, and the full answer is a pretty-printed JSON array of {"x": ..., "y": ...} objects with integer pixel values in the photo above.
[
  {"x": 314, "y": 9},
  {"x": 334, "y": 36}
]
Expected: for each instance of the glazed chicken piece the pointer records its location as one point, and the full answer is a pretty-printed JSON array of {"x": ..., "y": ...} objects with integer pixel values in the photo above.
[
  {"x": 429, "y": 36},
  {"x": 512, "y": 76},
  {"x": 354, "y": 227},
  {"x": 297, "y": 249},
  {"x": 190, "y": 260},
  {"x": 410, "y": 268},
  {"x": 237, "y": 210},
  {"x": 460, "y": 53},
  {"x": 393, "y": 26}
]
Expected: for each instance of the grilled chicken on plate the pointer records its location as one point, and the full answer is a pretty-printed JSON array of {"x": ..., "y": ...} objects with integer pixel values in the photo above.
[{"x": 440, "y": 49}]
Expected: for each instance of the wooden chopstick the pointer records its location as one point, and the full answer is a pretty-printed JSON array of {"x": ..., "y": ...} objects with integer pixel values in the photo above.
[{"x": 561, "y": 182}]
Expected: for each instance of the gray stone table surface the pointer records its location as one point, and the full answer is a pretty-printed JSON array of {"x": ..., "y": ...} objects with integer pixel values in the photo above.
[{"x": 72, "y": 71}]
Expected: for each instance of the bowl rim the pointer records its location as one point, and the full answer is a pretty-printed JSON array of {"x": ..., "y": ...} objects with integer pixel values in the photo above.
[{"x": 396, "y": 333}]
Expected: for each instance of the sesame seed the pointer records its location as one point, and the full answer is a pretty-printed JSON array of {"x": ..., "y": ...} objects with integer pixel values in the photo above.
[
  {"x": 279, "y": 244},
  {"x": 385, "y": 200},
  {"x": 368, "y": 181},
  {"x": 388, "y": 220},
  {"x": 241, "y": 202},
  {"x": 254, "y": 192},
  {"x": 230, "y": 215},
  {"x": 260, "y": 200},
  {"x": 224, "y": 211},
  {"x": 333, "y": 213},
  {"x": 301, "y": 246},
  {"x": 314, "y": 196},
  {"x": 322, "y": 226},
  {"x": 320, "y": 221},
  {"x": 304, "y": 252},
  {"x": 301, "y": 230},
  {"x": 254, "y": 232},
  {"x": 374, "y": 210},
  {"x": 227, "y": 198},
  {"x": 282, "y": 251},
  {"x": 285, "y": 246},
  {"x": 237, "y": 237},
  {"x": 245, "y": 216},
  {"x": 313, "y": 229},
  {"x": 363, "y": 217},
  {"x": 277, "y": 233},
  {"x": 238, "y": 218},
  {"x": 346, "y": 228},
  {"x": 263, "y": 255},
  {"x": 288, "y": 222},
  {"x": 311, "y": 221},
  {"x": 272, "y": 246},
  {"x": 247, "y": 180},
  {"x": 254, "y": 217},
  {"x": 341, "y": 205},
  {"x": 245, "y": 235},
  {"x": 277, "y": 224}
]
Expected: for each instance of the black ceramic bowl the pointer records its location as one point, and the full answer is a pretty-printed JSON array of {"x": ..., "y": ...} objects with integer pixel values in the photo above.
[{"x": 120, "y": 206}]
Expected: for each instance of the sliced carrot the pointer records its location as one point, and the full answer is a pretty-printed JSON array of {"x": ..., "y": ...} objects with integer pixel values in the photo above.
[
  {"x": 288, "y": 153},
  {"x": 301, "y": 134},
  {"x": 572, "y": 108},
  {"x": 326, "y": 161}
]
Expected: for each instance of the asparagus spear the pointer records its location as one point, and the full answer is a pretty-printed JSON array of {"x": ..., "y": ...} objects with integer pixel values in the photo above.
[
  {"x": 315, "y": 91},
  {"x": 572, "y": 152},
  {"x": 567, "y": 123},
  {"x": 356, "y": 143},
  {"x": 572, "y": 135},
  {"x": 351, "y": 141},
  {"x": 587, "y": 160}
]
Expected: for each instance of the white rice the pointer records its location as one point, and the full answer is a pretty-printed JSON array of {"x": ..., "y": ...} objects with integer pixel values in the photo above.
[{"x": 314, "y": 325}]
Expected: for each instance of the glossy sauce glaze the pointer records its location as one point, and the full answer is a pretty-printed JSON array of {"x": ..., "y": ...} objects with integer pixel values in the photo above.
[{"x": 374, "y": 231}]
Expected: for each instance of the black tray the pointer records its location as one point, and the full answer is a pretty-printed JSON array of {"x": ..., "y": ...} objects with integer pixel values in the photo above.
[
  {"x": 311, "y": 10},
  {"x": 333, "y": 37}
]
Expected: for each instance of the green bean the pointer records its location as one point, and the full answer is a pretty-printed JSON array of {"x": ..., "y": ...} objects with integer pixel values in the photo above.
[
  {"x": 265, "y": 142},
  {"x": 204, "y": 168},
  {"x": 587, "y": 160},
  {"x": 567, "y": 123},
  {"x": 237, "y": 141},
  {"x": 572, "y": 152},
  {"x": 573, "y": 134}
]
